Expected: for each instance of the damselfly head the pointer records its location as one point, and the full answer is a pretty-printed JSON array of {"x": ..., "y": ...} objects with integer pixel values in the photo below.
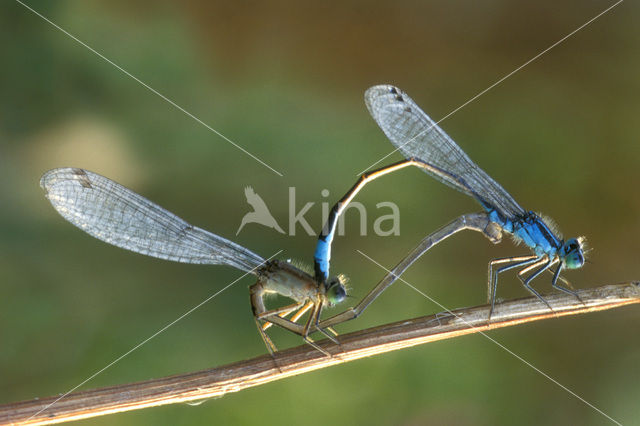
[
  {"x": 336, "y": 290},
  {"x": 572, "y": 253}
]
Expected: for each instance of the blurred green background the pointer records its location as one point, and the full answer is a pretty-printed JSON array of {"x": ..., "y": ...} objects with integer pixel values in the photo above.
[{"x": 285, "y": 80}]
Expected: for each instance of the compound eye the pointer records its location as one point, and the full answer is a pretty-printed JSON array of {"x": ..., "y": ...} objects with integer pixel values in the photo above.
[{"x": 336, "y": 292}]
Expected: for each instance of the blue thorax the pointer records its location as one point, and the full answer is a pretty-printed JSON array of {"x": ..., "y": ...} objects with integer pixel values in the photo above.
[{"x": 532, "y": 230}]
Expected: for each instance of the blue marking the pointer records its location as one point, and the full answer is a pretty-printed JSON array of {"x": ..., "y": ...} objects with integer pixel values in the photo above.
[
  {"x": 537, "y": 235},
  {"x": 322, "y": 256}
]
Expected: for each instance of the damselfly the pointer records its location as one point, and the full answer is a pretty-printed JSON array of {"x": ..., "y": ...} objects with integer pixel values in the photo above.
[
  {"x": 119, "y": 216},
  {"x": 427, "y": 146}
]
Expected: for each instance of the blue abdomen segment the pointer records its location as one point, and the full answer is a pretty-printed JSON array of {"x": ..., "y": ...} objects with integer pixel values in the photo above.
[
  {"x": 532, "y": 231},
  {"x": 322, "y": 256}
]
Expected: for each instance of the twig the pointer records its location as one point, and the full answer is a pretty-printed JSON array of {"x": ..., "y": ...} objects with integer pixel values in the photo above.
[{"x": 264, "y": 369}]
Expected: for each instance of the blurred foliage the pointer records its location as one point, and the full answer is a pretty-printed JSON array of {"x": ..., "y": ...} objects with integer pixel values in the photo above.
[{"x": 284, "y": 80}]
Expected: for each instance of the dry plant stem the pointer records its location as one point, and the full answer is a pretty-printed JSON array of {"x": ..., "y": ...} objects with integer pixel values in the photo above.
[{"x": 264, "y": 369}]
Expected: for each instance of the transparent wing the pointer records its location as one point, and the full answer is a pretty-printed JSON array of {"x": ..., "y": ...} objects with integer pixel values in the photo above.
[
  {"x": 119, "y": 216},
  {"x": 416, "y": 135}
]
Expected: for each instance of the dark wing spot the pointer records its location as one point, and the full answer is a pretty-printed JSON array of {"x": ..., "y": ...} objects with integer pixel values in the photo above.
[
  {"x": 399, "y": 98},
  {"x": 393, "y": 90},
  {"x": 407, "y": 109},
  {"x": 82, "y": 177},
  {"x": 184, "y": 232}
]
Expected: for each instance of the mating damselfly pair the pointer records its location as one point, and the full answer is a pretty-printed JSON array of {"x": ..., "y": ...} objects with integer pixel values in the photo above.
[{"x": 118, "y": 216}]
